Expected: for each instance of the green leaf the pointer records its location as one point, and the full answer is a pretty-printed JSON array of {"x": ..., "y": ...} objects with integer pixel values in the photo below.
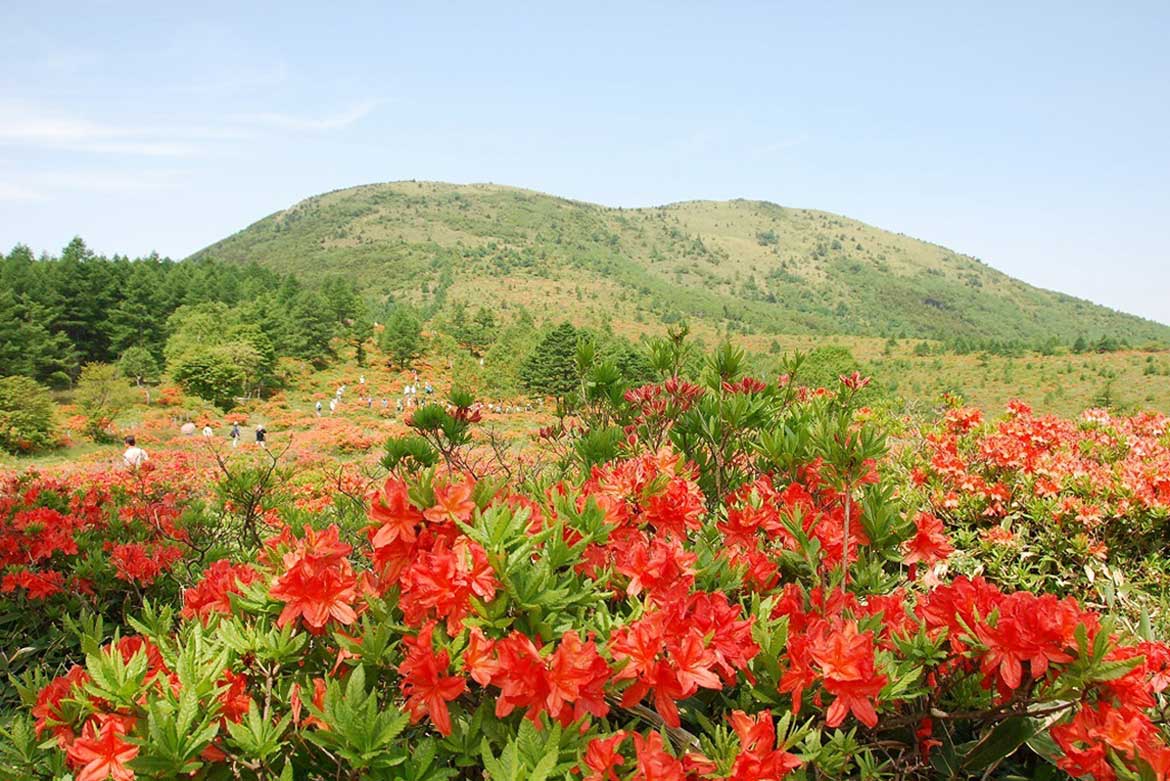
[{"x": 999, "y": 743}]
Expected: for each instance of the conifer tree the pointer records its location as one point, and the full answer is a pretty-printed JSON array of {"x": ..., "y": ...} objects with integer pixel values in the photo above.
[
  {"x": 551, "y": 368},
  {"x": 402, "y": 337}
]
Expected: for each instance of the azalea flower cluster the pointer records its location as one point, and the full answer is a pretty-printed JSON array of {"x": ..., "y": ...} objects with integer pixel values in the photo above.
[
  {"x": 52, "y": 527},
  {"x": 1100, "y": 479},
  {"x": 103, "y": 746}
]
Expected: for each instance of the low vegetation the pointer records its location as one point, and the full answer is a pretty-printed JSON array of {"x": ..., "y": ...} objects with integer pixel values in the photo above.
[{"x": 696, "y": 573}]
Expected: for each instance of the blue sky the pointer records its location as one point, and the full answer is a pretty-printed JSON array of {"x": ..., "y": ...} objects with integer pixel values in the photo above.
[{"x": 1033, "y": 136}]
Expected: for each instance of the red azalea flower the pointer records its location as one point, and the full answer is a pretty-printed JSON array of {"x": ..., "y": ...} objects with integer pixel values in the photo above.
[
  {"x": 452, "y": 502},
  {"x": 442, "y": 582},
  {"x": 234, "y": 700},
  {"x": 101, "y": 753},
  {"x": 320, "y": 583},
  {"x": 425, "y": 684},
  {"x": 47, "y": 710},
  {"x": 846, "y": 661},
  {"x": 394, "y": 516},
  {"x": 929, "y": 544},
  {"x": 759, "y": 759},
  {"x": 478, "y": 657},
  {"x": 212, "y": 594},
  {"x": 654, "y": 763},
  {"x": 576, "y": 676},
  {"x": 603, "y": 758}
]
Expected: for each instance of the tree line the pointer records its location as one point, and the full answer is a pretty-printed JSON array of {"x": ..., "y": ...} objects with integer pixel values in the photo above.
[{"x": 214, "y": 325}]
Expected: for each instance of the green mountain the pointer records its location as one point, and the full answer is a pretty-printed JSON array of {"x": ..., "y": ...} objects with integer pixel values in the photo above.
[{"x": 752, "y": 266}]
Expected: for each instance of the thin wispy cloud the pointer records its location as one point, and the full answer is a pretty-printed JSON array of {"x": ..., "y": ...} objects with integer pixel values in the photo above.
[
  {"x": 37, "y": 128},
  {"x": 45, "y": 185},
  {"x": 30, "y": 125},
  {"x": 119, "y": 181},
  {"x": 294, "y": 122},
  {"x": 139, "y": 148}
]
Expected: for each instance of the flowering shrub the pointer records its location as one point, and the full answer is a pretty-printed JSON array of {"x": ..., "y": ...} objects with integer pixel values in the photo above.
[
  {"x": 1067, "y": 494},
  {"x": 742, "y": 594},
  {"x": 99, "y": 542}
]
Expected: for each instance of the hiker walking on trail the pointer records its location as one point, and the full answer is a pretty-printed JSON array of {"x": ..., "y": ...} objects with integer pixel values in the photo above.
[
  {"x": 208, "y": 432},
  {"x": 134, "y": 456},
  {"x": 318, "y": 408},
  {"x": 260, "y": 435},
  {"x": 235, "y": 435}
]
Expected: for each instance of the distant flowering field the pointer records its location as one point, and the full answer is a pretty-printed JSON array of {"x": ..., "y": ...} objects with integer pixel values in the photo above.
[
  {"x": 717, "y": 578},
  {"x": 1093, "y": 492}
]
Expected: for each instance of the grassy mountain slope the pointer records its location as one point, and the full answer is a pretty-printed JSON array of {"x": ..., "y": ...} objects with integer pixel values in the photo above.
[{"x": 755, "y": 266}]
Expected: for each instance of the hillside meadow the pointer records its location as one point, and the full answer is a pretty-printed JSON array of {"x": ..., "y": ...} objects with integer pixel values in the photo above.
[{"x": 751, "y": 266}]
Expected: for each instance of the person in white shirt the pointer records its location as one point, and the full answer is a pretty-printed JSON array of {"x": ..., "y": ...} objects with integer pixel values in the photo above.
[
  {"x": 134, "y": 456},
  {"x": 208, "y": 432}
]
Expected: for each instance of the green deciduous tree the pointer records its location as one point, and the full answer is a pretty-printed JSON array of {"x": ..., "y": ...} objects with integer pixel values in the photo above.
[
  {"x": 217, "y": 354},
  {"x": 139, "y": 365},
  {"x": 102, "y": 393},
  {"x": 211, "y": 374},
  {"x": 26, "y": 416}
]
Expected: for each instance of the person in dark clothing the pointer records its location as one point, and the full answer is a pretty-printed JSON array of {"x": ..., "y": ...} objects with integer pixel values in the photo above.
[{"x": 260, "y": 435}]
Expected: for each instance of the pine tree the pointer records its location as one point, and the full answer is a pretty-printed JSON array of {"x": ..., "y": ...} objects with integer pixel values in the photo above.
[
  {"x": 308, "y": 328},
  {"x": 136, "y": 320},
  {"x": 475, "y": 335},
  {"x": 28, "y": 347},
  {"x": 483, "y": 331},
  {"x": 551, "y": 368},
  {"x": 13, "y": 351},
  {"x": 402, "y": 337}
]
